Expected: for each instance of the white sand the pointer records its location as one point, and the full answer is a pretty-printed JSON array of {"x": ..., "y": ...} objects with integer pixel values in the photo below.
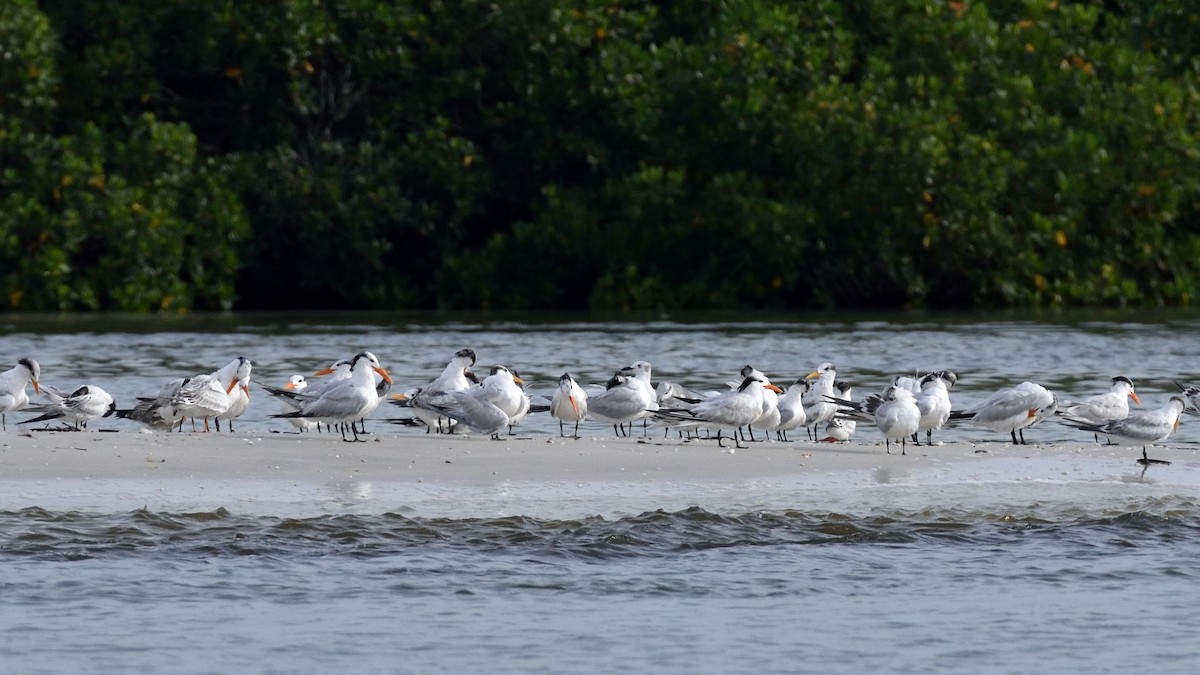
[{"x": 417, "y": 474}]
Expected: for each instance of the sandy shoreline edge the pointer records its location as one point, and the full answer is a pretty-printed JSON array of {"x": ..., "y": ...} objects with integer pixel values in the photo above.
[{"x": 460, "y": 475}]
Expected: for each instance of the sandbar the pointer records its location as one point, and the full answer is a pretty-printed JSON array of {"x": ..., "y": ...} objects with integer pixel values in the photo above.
[{"x": 429, "y": 475}]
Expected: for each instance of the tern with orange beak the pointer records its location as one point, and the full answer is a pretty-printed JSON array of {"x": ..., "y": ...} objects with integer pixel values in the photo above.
[
  {"x": 569, "y": 403},
  {"x": 1143, "y": 428},
  {"x": 1011, "y": 410},
  {"x": 348, "y": 400},
  {"x": 12, "y": 387},
  {"x": 730, "y": 410},
  {"x": 296, "y": 384},
  {"x": 485, "y": 408},
  {"x": 1110, "y": 406},
  {"x": 208, "y": 395},
  {"x": 239, "y": 397}
]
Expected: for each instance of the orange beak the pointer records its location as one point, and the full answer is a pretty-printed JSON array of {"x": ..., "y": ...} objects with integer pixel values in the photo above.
[
  {"x": 246, "y": 389},
  {"x": 573, "y": 406},
  {"x": 1133, "y": 395},
  {"x": 231, "y": 386},
  {"x": 773, "y": 388},
  {"x": 520, "y": 381},
  {"x": 812, "y": 376},
  {"x": 1033, "y": 412},
  {"x": 400, "y": 397},
  {"x": 290, "y": 385},
  {"x": 37, "y": 389},
  {"x": 383, "y": 373},
  {"x": 324, "y": 371}
]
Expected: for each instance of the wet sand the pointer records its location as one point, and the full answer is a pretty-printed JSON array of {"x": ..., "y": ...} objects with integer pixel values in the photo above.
[{"x": 456, "y": 475}]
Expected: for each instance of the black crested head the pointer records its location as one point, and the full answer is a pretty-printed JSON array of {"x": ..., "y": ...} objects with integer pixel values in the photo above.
[
  {"x": 747, "y": 382},
  {"x": 465, "y": 354},
  {"x": 32, "y": 366},
  {"x": 747, "y": 370},
  {"x": 112, "y": 408},
  {"x": 82, "y": 391},
  {"x": 1122, "y": 378},
  {"x": 564, "y": 378}
]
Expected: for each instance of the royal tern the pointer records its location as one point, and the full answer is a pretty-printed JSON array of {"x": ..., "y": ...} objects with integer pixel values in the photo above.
[
  {"x": 77, "y": 408},
  {"x": 1143, "y": 428},
  {"x": 507, "y": 392},
  {"x": 1011, "y": 410},
  {"x": 291, "y": 398},
  {"x": 524, "y": 403},
  {"x": 836, "y": 430},
  {"x": 440, "y": 392},
  {"x": 208, "y": 395},
  {"x": 896, "y": 415},
  {"x": 791, "y": 409},
  {"x": 569, "y": 403},
  {"x": 347, "y": 401},
  {"x": 623, "y": 400},
  {"x": 12, "y": 387},
  {"x": 81, "y": 406},
  {"x": 488, "y": 407},
  {"x": 1107, "y": 407},
  {"x": 817, "y": 408},
  {"x": 296, "y": 384},
  {"x": 640, "y": 371},
  {"x": 239, "y": 397},
  {"x": 1192, "y": 394},
  {"x": 730, "y": 410},
  {"x": 894, "y": 412},
  {"x": 933, "y": 400},
  {"x": 770, "y": 418},
  {"x": 1046, "y": 401},
  {"x": 157, "y": 412},
  {"x": 912, "y": 384},
  {"x": 840, "y": 428},
  {"x": 668, "y": 394},
  {"x": 332, "y": 376}
]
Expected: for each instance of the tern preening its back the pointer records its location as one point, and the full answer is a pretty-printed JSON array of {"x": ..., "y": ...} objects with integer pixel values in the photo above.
[
  {"x": 1011, "y": 410},
  {"x": 77, "y": 408}
]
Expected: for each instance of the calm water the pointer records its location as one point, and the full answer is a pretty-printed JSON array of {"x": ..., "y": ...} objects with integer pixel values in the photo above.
[{"x": 965, "y": 576}]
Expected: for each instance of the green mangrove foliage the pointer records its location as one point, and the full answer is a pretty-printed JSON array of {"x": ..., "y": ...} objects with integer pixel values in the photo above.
[{"x": 548, "y": 154}]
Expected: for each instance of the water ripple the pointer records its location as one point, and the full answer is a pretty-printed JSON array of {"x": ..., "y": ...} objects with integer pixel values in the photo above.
[{"x": 41, "y": 534}]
